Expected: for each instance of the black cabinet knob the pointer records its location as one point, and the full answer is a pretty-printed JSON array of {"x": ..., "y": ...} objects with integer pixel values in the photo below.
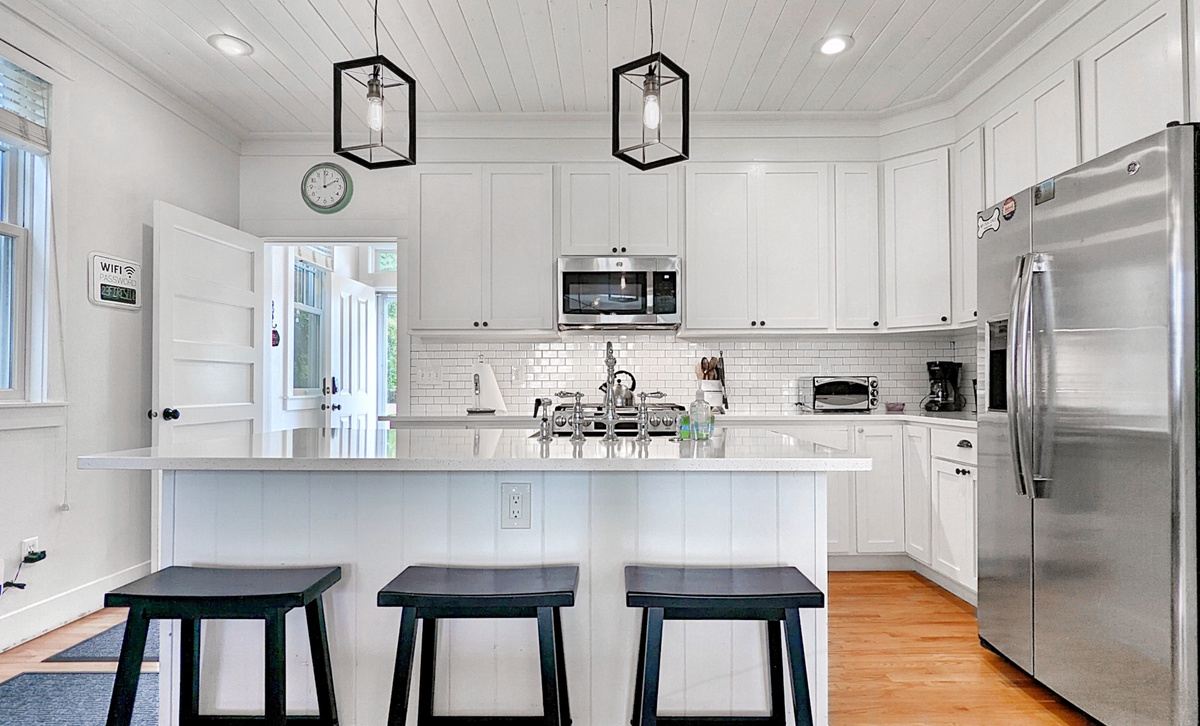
[
  {"x": 875, "y": 324},
  {"x": 170, "y": 414},
  {"x": 753, "y": 323},
  {"x": 944, "y": 318},
  {"x": 974, "y": 313},
  {"x": 614, "y": 249},
  {"x": 958, "y": 471},
  {"x": 762, "y": 323},
  {"x": 485, "y": 323},
  {"x": 476, "y": 323},
  {"x": 622, "y": 249},
  {"x": 152, "y": 414}
]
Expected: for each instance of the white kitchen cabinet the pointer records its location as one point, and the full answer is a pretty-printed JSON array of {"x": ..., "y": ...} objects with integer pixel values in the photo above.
[
  {"x": 917, "y": 240},
  {"x": 918, "y": 502},
  {"x": 1011, "y": 152},
  {"x": 856, "y": 246},
  {"x": 967, "y": 173},
  {"x": 840, "y": 524},
  {"x": 758, "y": 247},
  {"x": 879, "y": 493},
  {"x": 483, "y": 258},
  {"x": 611, "y": 209},
  {"x": 954, "y": 486},
  {"x": 1132, "y": 81}
]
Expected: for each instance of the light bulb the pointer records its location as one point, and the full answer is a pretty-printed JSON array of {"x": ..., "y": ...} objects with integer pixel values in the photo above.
[
  {"x": 651, "y": 110},
  {"x": 375, "y": 103},
  {"x": 835, "y": 44}
]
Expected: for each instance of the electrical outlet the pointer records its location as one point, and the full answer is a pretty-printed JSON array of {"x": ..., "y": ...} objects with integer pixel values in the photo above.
[
  {"x": 515, "y": 503},
  {"x": 29, "y": 546},
  {"x": 429, "y": 374}
]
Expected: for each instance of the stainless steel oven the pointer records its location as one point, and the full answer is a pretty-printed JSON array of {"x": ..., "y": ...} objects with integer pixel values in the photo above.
[
  {"x": 845, "y": 393},
  {"x": 599, "y": 293}
]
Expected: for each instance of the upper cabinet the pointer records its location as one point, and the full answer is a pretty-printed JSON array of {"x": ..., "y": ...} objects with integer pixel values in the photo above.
[
  {"x": 758, "y": 247},
  {"x": 856, "y": 246},
  {"x": 483, "y": 256},
  {"x": 917, "y": 240},
  {"x": 612, "y": 209},
  {"x": 967, "y": 198}
]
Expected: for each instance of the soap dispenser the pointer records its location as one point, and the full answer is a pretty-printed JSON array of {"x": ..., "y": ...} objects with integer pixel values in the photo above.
[{"x": 701, "y": 417}]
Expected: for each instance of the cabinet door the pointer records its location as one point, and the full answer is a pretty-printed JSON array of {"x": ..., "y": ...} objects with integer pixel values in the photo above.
[
  {"x": 1132, "y": 81},
  {"x": 649, "y": 211},
  {"x": 518, "y": 203},
  {"x": 721, "y": 292},
  {"x": 1055, "y": 105},
  {"x": 968, "y": 202},
  {"x": 954, "y": 520},
  {"x": 879, "y": 493},
  {"x": 918, "y": 503},
  {"x": 1011, "y": 152},
  {"x": 917, "y": 240},
  {"x": 447, "y": 289},
  {"x": 792, "y": 219},
  {"x": 840, "y": 489},
  {"x": 589, "y": 218},
  {"x": 856, "y": 246}
]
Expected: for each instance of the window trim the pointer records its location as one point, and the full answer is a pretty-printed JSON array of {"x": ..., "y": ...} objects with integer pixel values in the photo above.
[
  {"x": 302, "y": 398},
  {"x": 21, "y": 310}
]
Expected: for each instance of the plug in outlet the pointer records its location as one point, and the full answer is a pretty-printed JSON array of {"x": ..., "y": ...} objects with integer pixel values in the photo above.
[
  {"x": 29, "y": 547},
  {"x": 514, "y": 506}
]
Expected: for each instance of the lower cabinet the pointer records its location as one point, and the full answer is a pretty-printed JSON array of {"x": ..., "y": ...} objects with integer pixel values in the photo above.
[
  {"x": 918, "y": 496},
  {"x": 879, "y": 493},
  {"x": 954, "y": 520}
]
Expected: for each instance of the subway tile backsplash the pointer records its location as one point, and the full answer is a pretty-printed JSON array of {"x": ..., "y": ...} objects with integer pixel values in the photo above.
[{"x": 763, "y": 376}]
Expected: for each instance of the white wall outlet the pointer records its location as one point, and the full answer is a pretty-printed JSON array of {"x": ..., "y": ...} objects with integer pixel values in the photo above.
[
  {"x": 515, "y": 503},
  {"x": 29, "y": 546}
]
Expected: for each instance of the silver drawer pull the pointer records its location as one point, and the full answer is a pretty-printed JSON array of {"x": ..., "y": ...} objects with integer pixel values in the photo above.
[{"x": 965, "y": 444}]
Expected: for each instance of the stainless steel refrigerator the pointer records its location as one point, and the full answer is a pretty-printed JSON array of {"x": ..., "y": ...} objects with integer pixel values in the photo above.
[{"x": 1087, "y": 432}]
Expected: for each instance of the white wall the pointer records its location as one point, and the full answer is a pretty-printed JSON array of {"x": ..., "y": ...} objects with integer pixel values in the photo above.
[{"x": 115, "y": 150}]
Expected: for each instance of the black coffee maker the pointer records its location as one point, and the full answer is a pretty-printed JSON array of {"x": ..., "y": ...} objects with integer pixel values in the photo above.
[{"x": 943, "y": 386}]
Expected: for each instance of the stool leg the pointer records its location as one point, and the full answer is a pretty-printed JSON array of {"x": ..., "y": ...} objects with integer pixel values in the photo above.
[
  {"x": 402, "y": 676},
  {"x": 550, "y": 709},
  {"x": 276, "y": 652},
  {"x": 189, "y": 671},
  {"x": 775, "y": 651},
  {"x": 428, "y": 678},
  {"x": 653, "y": 660},
  {"x": 129, "y": 669},
  {"x": 800, "y": 696},
  {"x": 639, "y": 675},
  {"x": 318, "y": 643},
  {"x": 562, "y": 669}
]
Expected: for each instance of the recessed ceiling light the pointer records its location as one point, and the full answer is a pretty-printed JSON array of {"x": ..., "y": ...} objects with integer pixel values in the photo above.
[
  {"x": 229, "y": 45},
  {"x": 835, "y": 44}
]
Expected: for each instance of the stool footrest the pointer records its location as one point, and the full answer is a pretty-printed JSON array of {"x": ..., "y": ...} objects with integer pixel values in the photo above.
[
  {"x": 724, "y": 720},
  {"x": 214, "y": 720},
  {"x": 508, "y": 720}
]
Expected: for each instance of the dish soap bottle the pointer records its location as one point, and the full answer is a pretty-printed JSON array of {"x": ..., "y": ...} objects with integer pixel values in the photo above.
[{"x": 701, "y": 417}]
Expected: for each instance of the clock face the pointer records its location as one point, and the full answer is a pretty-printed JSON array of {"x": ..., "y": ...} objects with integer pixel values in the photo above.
[{"x": 326, "y": 188}]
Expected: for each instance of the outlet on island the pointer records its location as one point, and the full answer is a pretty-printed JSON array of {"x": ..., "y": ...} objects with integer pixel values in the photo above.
[{"x": 514, "y": 505}]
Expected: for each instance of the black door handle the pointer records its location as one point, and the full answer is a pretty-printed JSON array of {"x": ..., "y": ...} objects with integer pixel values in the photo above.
[
  {"x": 334, "y": 407},
  {"x": 170, "y": 414},
  {"x": 335, "y": 388}
]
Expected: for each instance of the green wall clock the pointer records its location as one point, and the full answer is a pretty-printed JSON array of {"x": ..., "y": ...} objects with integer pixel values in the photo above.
[{"x": 326, "y": 188}]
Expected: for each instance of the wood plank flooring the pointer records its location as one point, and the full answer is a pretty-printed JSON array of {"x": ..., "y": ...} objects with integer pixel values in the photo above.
[{"x": 901, "y": 651}]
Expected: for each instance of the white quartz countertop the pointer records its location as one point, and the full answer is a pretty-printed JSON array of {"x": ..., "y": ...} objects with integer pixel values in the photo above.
[
  {"x": 459, "y": 449},
  {"x": 740, "y": 420}
]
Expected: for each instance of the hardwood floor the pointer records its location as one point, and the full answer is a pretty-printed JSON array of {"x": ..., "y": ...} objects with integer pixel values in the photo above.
[{"x": 902, "y": 651}]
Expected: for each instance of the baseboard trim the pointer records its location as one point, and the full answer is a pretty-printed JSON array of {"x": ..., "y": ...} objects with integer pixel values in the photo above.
[
  {"x": 901, "y": 563},
  {"x": 38, "y": 618}
]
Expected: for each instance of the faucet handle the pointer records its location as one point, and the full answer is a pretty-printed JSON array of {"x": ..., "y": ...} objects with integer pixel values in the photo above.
[
  {"x": 655, "y": 394},
  {"x": 569, "y": 394}
]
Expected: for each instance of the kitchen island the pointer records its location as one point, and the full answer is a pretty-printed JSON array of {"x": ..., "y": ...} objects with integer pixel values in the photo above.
[{"x": 376, "y": 501}]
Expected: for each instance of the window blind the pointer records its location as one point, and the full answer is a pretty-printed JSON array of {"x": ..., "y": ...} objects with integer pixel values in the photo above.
[{"x": 24, "y": 107}]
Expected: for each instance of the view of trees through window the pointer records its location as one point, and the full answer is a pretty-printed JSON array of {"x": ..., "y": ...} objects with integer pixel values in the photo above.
[{"x": 387, "y": 353}]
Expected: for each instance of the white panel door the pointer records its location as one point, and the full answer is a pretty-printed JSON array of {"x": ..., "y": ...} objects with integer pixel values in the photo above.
[
  {"x": 1055, "y": 108},
  {"x": 447, "y": 290},
  {"x": 1132, "y": 81},
  {"x": 720, "y": 276},
  {"x": 1011, "y": 152},
  {"x": 793, "y": 261},
  {"x": 210, "y": 336},
  {"x": 918, "y": 503},
  {"x": 954, "y": 520},
  {"x": 856, "y": 246},
  {"x": 649, "y": 211},
  {"x": 879, "y": 493},
  {"x": 589, "y": 219},
  {"x": 917, "y": 240},
  {"x": 968, "y": 202},
  {"x": 518, "y": 246},
  {"x": 351, "y": 400}
]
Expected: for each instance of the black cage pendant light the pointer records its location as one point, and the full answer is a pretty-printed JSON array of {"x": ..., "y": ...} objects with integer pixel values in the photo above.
[
  {"x": 374, "y": 111},
  {"x": 648, "y": 141}
]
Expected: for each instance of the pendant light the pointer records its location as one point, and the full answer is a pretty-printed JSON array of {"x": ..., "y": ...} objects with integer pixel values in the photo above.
[
  {"x": 374, "y": 111},
  {"x": 654, "y": 142}
]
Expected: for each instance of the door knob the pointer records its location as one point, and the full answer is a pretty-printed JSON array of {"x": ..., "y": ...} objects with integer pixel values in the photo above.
[
  {"x": 170, "y": 414},
  {"x": 336, "y": 407}
]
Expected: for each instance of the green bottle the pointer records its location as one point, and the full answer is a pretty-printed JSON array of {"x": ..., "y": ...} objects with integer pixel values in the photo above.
[{"x": 685, "y": 427}]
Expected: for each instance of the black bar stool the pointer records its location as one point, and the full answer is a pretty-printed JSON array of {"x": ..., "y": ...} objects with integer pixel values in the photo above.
[
  {"x": 773, "y": 594},
  {"x": 434, "y": 593},
  {"x": 193, "y": 594}
]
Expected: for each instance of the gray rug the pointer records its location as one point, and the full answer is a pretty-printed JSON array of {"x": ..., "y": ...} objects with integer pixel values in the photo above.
[
  {"x": 107, "y": 647},
  {"x": 71, "y": 699}
]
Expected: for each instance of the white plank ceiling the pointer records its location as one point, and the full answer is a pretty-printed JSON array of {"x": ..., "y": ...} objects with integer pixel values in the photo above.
[{"x": 553, "y": 55}]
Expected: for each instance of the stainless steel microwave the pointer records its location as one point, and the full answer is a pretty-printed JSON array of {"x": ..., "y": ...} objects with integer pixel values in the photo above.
[
  {"x": 845, "y": 393},
  {"x": 607, "y": 293}
]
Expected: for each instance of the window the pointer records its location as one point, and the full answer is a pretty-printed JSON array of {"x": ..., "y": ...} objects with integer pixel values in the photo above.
[
  {"x": 387, "y": 353},
  {"x": 308, "y": 329},
  {"x": 14, "y": 303},
  {"x": 384, "y": 259}
]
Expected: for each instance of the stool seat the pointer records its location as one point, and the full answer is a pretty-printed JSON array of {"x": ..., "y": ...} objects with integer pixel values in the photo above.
[
  {"x": 256, "y": 588},
  {"x": 698, "y": 588},
  {"x": 481, "y": 587}
]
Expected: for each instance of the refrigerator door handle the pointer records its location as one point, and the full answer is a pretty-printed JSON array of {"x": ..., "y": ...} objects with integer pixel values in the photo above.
[
  {"x": 1016, "y": 372},
  {"x": 1041, "y": 361}
]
